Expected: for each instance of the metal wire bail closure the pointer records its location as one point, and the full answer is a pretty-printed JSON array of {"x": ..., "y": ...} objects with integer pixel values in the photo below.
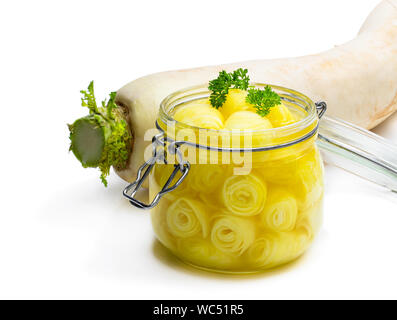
[{"x": 143, "y": 172}]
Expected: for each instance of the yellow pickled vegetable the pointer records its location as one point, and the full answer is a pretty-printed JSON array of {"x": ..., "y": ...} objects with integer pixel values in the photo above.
[
  {"x": 244, "y": 195},
  {"x": 303, "y": 236},
  {"x": 206, "y": 177},
  {"x": 202, "y": 252},
  {"x": 281, "y": 171},
  {"x": 167, "y": 239},
  {"x": 308, "y": 193},
  {"x": 280, "y": 211},
  {"x": 193, "y": 103},
  {"x": 232, "y": 234},
  {"x": 161, "y": 174},
  {"x": 280, "y": 116},
  {"x": 303, "y": 176},
  {"x": 221, "y": 220},
  {"x": 200, "y": 114},
  {"x": 187, "y": 218},
  {"x": 312, "y": 216},
  {"x": 266, "y": 250},
  {"x": 308, "y": 183},
  {"x": 247, "y": 120},
  {"x": 211, "y": 200},
  {"x": 160, "y": 227},
  {"x": 275, "y": 248},
  {"x": 235, "y": 101},
  {"x": 196, "y": 249},
  {"x": 285, "y": 170},
  {"x": 304, "y": 228}
]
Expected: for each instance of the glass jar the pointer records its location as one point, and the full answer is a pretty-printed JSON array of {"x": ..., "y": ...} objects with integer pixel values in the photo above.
[
  {"x": 249, "y": 200},
  {"x": 246, "y": 201}
]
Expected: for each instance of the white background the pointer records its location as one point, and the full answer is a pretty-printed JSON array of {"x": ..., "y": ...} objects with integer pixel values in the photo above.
[{"x": 63, "y": 235}]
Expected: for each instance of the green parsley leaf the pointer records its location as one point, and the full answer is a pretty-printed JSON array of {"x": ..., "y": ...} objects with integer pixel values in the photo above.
[
  {"x": 263, "y": 100},
  {"x": 220, "y": 86}
]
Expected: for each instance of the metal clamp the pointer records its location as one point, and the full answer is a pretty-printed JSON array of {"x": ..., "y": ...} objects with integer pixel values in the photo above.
[{"x": 143, "y": 172}]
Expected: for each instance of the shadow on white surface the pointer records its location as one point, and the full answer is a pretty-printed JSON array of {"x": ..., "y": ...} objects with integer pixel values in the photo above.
[{"x": 85, "y": 198}]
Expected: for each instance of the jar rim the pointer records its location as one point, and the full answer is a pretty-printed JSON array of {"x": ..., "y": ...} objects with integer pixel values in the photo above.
[{"x": 169, "y": 103}]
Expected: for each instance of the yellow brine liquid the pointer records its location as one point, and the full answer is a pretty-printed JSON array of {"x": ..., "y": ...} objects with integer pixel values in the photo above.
[{"x": 227, "y": 222}]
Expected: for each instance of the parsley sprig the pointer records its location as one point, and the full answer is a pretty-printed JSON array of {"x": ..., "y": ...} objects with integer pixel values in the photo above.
[
  {"x": 220, "y": 86},
  {"x": 263, "y": 100}
]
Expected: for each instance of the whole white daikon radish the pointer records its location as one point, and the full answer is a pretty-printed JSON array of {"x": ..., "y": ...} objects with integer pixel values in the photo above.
[{"x": 358, "y": 80}]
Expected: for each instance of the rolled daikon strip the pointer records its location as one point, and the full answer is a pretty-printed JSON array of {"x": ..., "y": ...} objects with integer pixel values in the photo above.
[
  {"x": 280, "y": 116},
  {"x": 186, "y": 218},
  {"x": 158, "y": 179},
  {"x": 313, "y": 217},
  {"x": 195, "y": 248},
  {"x": 302, "y": 176},
  {"x": 266, "y": 250},
  {"x": 206, "y": 178},
  {"x": 236, "y": 101},
  {"x": 202, "y": 253},
  {"x": 247, "y": 120},
  {"x": 252, "y": 128},
  {"x": 244, "y": 195},
  {"x": 280, "y": 211},
  {"x": 275, "y": 248},
  {"x": 308, "y": 185},
  {"x": 304, "y": 235},
  {"x": 159, "y": 223},
  {"x": 200, "y": 114},
  {"x": 232, "y": 234}
]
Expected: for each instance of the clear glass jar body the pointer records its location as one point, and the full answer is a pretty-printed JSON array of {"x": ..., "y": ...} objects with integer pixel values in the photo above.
[{"x": 228, "y": 216}]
